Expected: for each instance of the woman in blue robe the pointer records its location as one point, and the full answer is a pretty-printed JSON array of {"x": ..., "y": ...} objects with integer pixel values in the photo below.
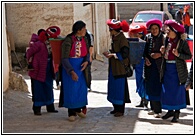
[
  {"x": 175, "y": 72},
  {"x": 75, "y": 58},
  {"x": 118, "y": 93}
]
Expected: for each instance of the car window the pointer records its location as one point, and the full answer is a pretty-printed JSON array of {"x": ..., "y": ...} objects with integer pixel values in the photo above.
[{"x": 144, "y": 17}]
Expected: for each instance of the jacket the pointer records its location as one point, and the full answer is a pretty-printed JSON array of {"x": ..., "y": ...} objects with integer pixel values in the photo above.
[
  {"x": 119, "y": 45},
  {"x": 185, "y": 54},
  {"x": 157, "y": 41},
  {"x": 66, "y": 47},
  {"x": 186, "y": 19},
  {"x": 39, "y": 52}
]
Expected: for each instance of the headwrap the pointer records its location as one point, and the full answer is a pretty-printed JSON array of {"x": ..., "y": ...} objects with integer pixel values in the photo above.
[
  {"x": 53, "y": 31},
  {"x": 151, "y": 22},
  {"x": 177, "y": 27},
  {"x": 42, "y": 36},
  {"x": 138, "y": 29},
  {"x": 116, "y": 24}
]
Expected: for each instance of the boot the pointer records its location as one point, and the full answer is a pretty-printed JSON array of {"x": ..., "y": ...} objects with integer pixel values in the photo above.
[
  {"x": 141, "y": 103},
  {"x": 50, "y": 108},
  {"x": 37, "y": 110},
  {"x": 145, "y": 103},
  {"x": 176, "y": 116},
  {"x": 169, "y": 114}
]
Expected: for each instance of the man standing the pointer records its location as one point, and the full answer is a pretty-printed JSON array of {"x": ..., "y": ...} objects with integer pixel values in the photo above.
[
  {"x": 186, "y": 19},
  {"x": 178, "y": 15},
  {"x": 90, "y": 39}
]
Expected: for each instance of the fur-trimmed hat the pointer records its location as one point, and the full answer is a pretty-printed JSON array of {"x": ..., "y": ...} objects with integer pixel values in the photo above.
[
  {"x": 154, "y": 21},
  {"x": 177, "y": 27},
  {"x": 53, "y": 31},
  {"x": 116, "y": 24}
]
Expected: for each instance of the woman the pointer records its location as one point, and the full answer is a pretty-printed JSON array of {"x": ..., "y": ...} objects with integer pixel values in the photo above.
[
  {"x": 42, "y": 74},
  {"x": 176, "y": 51},
  {"x": 75, "y": 58},
  {"x": 118, "y": 93},
  {"x": 153, "y": 61},
  {"x": 138, "y": 32}
]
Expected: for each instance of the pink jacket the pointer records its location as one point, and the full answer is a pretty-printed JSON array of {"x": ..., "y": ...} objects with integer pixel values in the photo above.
[{"x": 39, "y": 52}]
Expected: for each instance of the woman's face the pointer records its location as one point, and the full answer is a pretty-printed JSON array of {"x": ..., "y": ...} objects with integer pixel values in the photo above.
[
  {"x": 170, "y": 33},
  {"x": 82, "y": 32},
  {"x": 154, "y": 30}
]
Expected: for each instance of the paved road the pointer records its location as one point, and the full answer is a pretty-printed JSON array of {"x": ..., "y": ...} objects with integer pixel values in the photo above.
[{"x": 18, "y": 117}]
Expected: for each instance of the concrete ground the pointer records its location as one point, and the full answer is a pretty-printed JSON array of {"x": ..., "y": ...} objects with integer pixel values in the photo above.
[{"x": 18, "y": 117}]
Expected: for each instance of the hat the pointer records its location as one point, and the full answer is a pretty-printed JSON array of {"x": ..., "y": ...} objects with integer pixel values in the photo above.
[
  {"x": 180, "y": 7},
  {"x": 116, "y": 24},
  {"x": 138, "y": 29},
  {"x": 53, "y": 31},
  {"x": 177, "y": 27},
  {"x": 153, "y": 21}
]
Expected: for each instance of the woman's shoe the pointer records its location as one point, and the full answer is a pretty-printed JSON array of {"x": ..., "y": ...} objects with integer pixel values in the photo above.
[
  {"x": 84, "y": 110},
  {"x": 72, "y": 118},
  {"x": 81, "y": 114},
  {"x": 176, "y": 116},
  {"x": 157, "y": 115},
  {"x": 141, "y": 104},
  {"x": 151, "y": 112},
  {"x": 169, "y": 114},
  {"x": 112, "y": 112},
  {"x": 118, "y": 114},
  {"x": 37, "y": 113}
]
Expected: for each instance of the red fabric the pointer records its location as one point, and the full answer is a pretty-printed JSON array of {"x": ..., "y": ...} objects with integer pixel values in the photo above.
[
  {"x": 39, "y": 53},
  {"x": 42, "y": 36},
  {"x": 190, "y": 43},
  {"x": 138, "y": 29},
  {"x": 153, "y": 21},
  {"x": 56, "y": 68},
  {"x": 171, "y": 56},
  {"x": 78, "y": 48},
  {"x": 186, "y": 19},
  {"x": 116, "y": 24},
  {"x": 53, "y": 34}
]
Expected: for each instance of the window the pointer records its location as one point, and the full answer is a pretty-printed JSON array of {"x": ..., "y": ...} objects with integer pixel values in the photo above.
[{"x": 85, "y": 4}]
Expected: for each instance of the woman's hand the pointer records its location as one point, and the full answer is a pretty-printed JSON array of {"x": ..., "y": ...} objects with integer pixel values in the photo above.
[
  {"x": 162, "y": 49},
  {"x": 74, "y": 76},
  {"x": 155, "y": 55},
  {"x": 175, "y": 52},
  {"x": 188, "y": 87},
  {"x": 108, "y": 54},
  {"x": 147, "y": 62},
  {"x": 84, "y": 65}
]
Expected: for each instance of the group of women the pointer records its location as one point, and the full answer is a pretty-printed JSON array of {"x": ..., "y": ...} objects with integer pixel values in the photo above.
[{"x": 164, "y": 69}]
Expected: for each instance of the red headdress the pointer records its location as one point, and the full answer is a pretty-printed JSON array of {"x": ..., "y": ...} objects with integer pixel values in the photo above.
[
  {"x": 116, "y": 24},
  {"x": 175, "y": 25},
  {"x": 138, "y": 29},
  {"x": 153, "y": 21},
  {"x": 53, "y": 31}
]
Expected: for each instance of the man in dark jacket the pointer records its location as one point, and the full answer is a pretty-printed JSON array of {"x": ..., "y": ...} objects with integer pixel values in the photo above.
[{"x": 178, "y": 15}]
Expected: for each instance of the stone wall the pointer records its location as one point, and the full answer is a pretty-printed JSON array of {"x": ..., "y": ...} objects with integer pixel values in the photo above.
[{"x": 23, "y": 19}]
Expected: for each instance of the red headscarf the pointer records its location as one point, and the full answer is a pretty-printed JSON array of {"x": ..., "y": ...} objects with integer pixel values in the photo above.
[{"x": 116, "y": 24}]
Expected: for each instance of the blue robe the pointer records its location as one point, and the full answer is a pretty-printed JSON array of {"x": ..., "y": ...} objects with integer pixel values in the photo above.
[
  {"x": 173, "y": 96},
  {"x": 43, "y": 91},
  {"x": 153, "y": 84},
  {"x": 140, "y": 83},
  {"x": 74, "y": 93},
  {"x": 118, "y": 92}
]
